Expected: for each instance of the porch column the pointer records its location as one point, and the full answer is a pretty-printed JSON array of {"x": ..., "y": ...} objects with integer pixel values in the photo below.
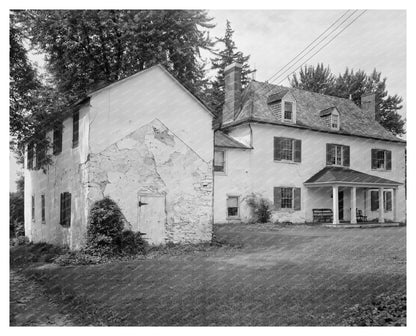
[
  {"x": 380, "y": 205},
  {"x": 335, "y": 211},
  {"x": 394, "y": 204},
  {"x": 353, "y": 205}
]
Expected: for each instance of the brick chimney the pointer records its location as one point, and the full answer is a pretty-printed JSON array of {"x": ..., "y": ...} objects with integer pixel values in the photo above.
[
  {"x": 232, "y": 89},
  {"x": 368, "y": 105}
]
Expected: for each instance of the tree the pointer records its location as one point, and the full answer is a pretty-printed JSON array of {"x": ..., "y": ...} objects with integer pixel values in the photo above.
[
  {"x": 224, "y": 57},
  {"x": 87, "y": 49},
  {"x": 17, "y": 211},
  {"x": 353, "y": 85}
]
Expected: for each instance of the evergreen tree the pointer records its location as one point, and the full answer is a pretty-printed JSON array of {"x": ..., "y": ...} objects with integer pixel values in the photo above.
[
  {"x": 225, "y": 57},
  {"x": 353, "y": 85}
]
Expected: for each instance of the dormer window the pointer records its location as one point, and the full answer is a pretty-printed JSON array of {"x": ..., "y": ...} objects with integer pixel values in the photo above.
[
  {"x": 288, "y": 114},
  {"x": 335, "y": 121},
  {"x": 331, "y": 118},
  {"x": 283, "y": 106}
]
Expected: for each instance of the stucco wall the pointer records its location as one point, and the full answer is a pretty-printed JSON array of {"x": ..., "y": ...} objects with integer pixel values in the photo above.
[
  {"x": 153, "y": 160},
  {"x": 66, "y": 174},
  {"x": 265, "y": 173}
]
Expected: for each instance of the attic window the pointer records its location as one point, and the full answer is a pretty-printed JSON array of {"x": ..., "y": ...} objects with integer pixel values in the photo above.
[
  {"x": 334, "y": 121},
  {"x": 288, "y": 113}
]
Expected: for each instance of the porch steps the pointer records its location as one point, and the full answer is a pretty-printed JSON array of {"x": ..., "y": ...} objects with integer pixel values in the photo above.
[{"x": 361, "y": 225}]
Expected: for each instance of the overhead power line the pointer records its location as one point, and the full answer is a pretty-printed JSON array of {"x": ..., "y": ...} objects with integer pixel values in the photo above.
[
  {"x": 333, "y": 38},
  {"x": 310, "y": 44}
]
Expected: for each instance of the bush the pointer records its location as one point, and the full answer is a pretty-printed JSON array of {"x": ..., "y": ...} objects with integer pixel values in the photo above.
[
  {"x": 132, "y": 242},
  {"x": 105, "y": 234},
  {"x": 261, "y": 208},
  {"x": 77, "y": 258}
]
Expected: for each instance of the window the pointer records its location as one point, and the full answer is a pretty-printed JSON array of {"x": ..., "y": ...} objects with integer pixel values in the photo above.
[
  {"x": 387, "y": 200},
  {"x": 232, "y": 206},
  {"x": 288, "y": 113},
  {"x": 65, "y": 213},
  {"x": 286, "y": 149},
  {"x": 287, "y": 198},
  {"x": 337, "y": 155},
  {"x": 219, "y": 161},
  {"x": 40, "y": 154},
  {"x": 30, "y": 155},
  {"x": 380, "y": 159},
  {"x": 42, "y": 201},
  {"x": 75, "y": 129},
  {"x": 57, "y": 140},
  {"x": 33, "y": 208},
  {"x": 335, "y": 121}
]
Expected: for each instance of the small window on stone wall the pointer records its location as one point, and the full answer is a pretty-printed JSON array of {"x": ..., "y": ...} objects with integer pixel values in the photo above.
[{"x": 65, "y": 211}]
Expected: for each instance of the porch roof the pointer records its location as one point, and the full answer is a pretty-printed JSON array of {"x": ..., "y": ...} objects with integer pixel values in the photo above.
[
  {"x": 225, "y": 141},
  {"x": 345, "y": 176}
]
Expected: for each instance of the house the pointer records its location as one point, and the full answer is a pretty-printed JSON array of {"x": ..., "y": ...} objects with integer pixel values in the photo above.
[
  {"x": 144, "y": 141},
  {"x": 304, "y": 151}
]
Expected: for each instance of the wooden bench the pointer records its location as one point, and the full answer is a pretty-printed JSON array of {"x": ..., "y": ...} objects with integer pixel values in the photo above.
[{"x": 322, "y": 215}]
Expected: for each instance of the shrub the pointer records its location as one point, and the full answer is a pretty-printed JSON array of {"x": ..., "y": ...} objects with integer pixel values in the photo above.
[
  {"x": 261, "y": 208},
  {"x": 132, "y": 242},
  {"x": 105, "y": 234},
  {"x": 77, "y": 258},
  {"x": 105, "y": 227}
]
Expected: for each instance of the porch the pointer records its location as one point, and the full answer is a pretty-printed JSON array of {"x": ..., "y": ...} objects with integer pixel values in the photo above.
[{"x": 356, "y": 199}]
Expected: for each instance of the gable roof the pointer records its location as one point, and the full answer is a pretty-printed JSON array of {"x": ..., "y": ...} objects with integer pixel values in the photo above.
[
  {"x": 353, "y": 120},
  {"x": 223, "y": 140},
  {"x": 327, "y": 111},
  {"x": 333, "y": 175}
]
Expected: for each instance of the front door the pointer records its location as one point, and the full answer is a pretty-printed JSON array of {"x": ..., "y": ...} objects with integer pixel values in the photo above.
[
  {"x": 152, "y": 217},
  {"x": 341, "y": 205}
]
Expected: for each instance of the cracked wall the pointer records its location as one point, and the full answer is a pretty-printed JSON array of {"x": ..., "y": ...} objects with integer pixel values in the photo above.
[{"x": 152, "y": 160}]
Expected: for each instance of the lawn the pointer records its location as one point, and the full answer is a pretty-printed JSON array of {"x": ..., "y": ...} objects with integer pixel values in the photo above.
[{"x": 297, "y": 275}]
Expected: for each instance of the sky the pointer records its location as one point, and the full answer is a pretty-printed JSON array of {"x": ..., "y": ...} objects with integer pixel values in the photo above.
[{"x": 273, "y": 37}]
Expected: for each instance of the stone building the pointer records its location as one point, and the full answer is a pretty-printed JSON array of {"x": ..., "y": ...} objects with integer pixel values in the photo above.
[{"x": 147, "y": 143}]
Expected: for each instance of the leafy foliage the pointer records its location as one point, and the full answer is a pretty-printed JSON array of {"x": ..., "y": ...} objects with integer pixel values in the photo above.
[
  {"x": 261, "y": 208},
  {"x": 384, "y": 310},
  {"x": 105, "y": 234},
  {"x": 87, "y": 49},
  {"x": 225, "y": 57},
  {"x": 353, "y": 85},
  {"x": 17, "y": 210}
]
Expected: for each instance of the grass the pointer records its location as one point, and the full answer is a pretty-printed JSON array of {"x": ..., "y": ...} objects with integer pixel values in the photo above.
[{"x": 294, "y": 275}]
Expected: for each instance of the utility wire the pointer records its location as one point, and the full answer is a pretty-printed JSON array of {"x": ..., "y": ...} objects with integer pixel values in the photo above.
[
  {"x": 300, "y": 53},
  {"x": 334, "y": 37}
]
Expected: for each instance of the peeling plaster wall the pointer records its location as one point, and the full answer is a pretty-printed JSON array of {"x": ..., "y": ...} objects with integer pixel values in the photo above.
[
  {"x": 66, "y": 174},
  {"x": 153, "y": 160},
  {"x": 265, "y": 173}
]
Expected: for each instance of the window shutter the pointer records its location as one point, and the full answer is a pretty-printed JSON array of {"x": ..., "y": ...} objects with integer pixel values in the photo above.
[
  {"x": 328, "y": 153},
  {"x": 374, "y": 200},
  {"x": 61, "y": 213},
  {"x": 277, "y": 149},
  {"x": 388, "y": 160},
  {"x": 296, "y": 197},
  {"x": 298, "y": 151},
  {"x": 277, "y": 198},
  {"x": 373, "y": 158},
  {"x": 346, "y": 156}
]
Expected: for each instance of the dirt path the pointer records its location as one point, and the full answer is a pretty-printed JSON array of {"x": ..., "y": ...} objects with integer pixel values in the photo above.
[{"x": 30, "y": 306}]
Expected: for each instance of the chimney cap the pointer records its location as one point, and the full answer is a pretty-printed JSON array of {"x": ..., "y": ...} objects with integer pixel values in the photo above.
[
  {"x": 232, "y": 66},
  {"x": 367, "y": 94}
]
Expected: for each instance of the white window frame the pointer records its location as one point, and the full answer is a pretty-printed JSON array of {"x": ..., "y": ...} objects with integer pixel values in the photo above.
[
  {"x": 337, "y": 149},
  {"x": 384, "y": 160},
  {"x": 238, "y": 206},
  {"x": 292, "y": 198},
  {"x": 293, "y": 110},
  {"x": 332, "y": 121},
  {"x": 219, "y": 172}
]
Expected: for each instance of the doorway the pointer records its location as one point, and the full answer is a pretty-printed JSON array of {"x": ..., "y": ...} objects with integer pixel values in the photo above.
[
  {"x": 341, "y": 205},
  {"x": 152, "y": 217}
]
